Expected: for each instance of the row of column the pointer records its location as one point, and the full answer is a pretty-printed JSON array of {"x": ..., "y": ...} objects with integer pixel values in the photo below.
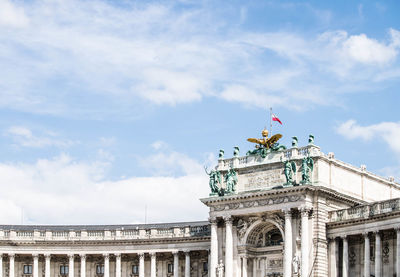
[
  {"x": 367, "y": 265},
  {"x": 288, "y": 245},
  {"x": 255, "y": 262},
  {"x": 106, "y": 264},
  {"x": 228, "y": 247}
]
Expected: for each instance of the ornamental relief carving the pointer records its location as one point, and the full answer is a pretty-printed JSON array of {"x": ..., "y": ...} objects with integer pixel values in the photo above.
[
  {"x": 262, "y": 202},
  {"x": 244, "y": 224}
]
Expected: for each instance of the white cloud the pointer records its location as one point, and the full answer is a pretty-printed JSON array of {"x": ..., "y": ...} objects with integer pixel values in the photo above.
[
  {"x": 388, "y": 131},
  {"x": 116, "y": 59},
  {"x": 23, "y": 136},
  {"x": 63, "y": 190},
  {"x": 11, "y": 15},
  {"x": 362, "y": 49}
]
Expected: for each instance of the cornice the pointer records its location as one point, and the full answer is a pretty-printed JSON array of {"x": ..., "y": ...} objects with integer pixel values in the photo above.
[{"x": 363, "y": 220}]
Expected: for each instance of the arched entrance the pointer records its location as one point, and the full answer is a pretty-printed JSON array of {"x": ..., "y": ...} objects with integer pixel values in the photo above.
[{"x": 263, "y": 248}]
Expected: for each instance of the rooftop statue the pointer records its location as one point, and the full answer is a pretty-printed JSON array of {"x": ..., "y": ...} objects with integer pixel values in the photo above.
[
  {"x": 231, "y": 180},
  {"x": 215, "y": 179},
  {"x": 290, "y": 170},
  {"x": 265, "y": 144},
  {"x": 306, "y": 170}
]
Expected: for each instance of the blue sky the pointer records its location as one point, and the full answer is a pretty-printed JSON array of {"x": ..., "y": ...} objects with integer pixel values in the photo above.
[{"x": 110, "y": 106}]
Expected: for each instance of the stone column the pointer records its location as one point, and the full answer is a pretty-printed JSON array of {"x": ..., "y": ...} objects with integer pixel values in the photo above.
[
  {"x": 228, "y": 247},
  {"x": 304, "y": 241},
  {"x": 263, "y": 267},
  {"x": 378, "y": 257},
  {"x": 12, "y": 264},
  {"x": 141, "y": 264},
  {"x": 398, "y": 252},
  {"x": 244, "y": 266},
  {"x": 214, "y": 247},
  {"x": 1, "y": 265},
  {"x": 176, "y": 263},
  {"x": 118, "y": 265},
  {"x": 254, "y": 267},
  {"x": 47, "y": 265},
  {"x": 187, "y": 263},
  {"x": 367, "y": 255},
  {"x": 288, "y": 246},
  {"x": 106, "y": 265},
  {"x": 71, "y": 265},
  {"x": 332, "y": 257},
  {"x": 345, "y": 266},
  {"x": 35, "y": 265},
  {"x": 153, "y": 266}
]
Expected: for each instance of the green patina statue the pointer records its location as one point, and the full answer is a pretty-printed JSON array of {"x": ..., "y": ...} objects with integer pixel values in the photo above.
[
  {"x": 221, "y": 154},
  {"x": 290, "y": 170},
  {"x": 236, "y": 151},
  {"x": 306, "y": 170},
  {"x": 231, "y": 181},
  {"x": 215, "y": 179},
  {"x": 294, "y": 142},
  {"x": 265, "y": 145}
]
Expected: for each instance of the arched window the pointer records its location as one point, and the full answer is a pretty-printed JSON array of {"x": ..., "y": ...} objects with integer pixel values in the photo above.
[{"x": 273, "y": 237}]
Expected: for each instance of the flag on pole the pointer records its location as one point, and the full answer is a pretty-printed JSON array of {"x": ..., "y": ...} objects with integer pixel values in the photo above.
[{"x": 275, "y": 118}]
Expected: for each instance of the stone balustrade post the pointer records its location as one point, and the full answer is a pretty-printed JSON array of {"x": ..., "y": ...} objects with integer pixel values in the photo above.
[
  {"x": 288, "y": 245},
  {"x": 214, "y": 247},
  {"x": 71, "y": 265},
  {"x": 367, "y": 255},
  {"x": 153, "y": 265},
  {"x": 118, "y": 272},
  {"x": 228, "y": 247},
  {"x": 345, "y": 257},
  {"x": 47, "y": 265}
]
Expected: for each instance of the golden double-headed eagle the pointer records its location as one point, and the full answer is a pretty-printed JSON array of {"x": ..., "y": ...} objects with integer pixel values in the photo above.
[{"x": 265, "y": 141}]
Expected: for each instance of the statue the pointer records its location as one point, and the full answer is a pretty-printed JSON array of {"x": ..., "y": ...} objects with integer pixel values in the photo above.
[
  {"x": 220, "y": 269},
  {"x": 294, "y": 142},
  {"x": 296, "y": 265},
  {"x": 290, "y": 169},
  {"x": 221, "y": 154},
  {"x": 215, "y": 179},
  {"x": 265, "y": 141},
  {"x": 236, "y": 151},
  {"x": 310, "y": 140},
  {"x": 265, "y": 145},
  {"x": 231, "y": 180},
  {"x": 306, "y": 170}
]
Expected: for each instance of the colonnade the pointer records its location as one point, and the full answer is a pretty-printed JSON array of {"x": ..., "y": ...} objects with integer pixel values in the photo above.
[
  {"x": 288, "y": 245},
  {"x": 106, "y": 259},
  {"x": 367, "y": 262}
]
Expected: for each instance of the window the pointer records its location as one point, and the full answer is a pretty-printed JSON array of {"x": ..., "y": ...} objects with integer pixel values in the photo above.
[
  {"x": 100, "y": 269},
  {"x": 273, "y": 238},
  {"x": 28, "y": 269},
  {"x": 135, "y": 269},
  {"x": 170, "y": 268},
  {"x": 205, "y": 266},
  {"x": 63, "y": 269}
]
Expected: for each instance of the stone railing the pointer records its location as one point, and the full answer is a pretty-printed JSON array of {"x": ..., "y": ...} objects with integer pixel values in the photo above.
[
  {"x": 24, "y": 233},
  {"x": 278, "y": 156},
  {"x": 365, "y": 211}
]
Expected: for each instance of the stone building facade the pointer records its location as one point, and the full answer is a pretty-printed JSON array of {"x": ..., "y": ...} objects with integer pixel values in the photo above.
[{"x": 317, "y": 217}]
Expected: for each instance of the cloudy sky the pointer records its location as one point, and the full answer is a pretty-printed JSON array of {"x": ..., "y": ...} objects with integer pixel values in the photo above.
[{"x": 109, "y": 107}]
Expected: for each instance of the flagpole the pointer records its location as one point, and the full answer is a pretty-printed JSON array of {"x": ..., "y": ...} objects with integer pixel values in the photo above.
[{"x": 270, "y": 122}]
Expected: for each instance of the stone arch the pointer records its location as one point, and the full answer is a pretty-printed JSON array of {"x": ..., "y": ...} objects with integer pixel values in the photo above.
[{"x": 258, "y": 226}]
